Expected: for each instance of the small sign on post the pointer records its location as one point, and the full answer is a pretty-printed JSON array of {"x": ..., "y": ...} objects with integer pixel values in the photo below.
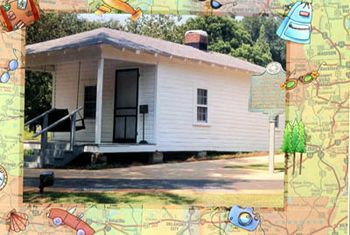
[
  {"x": 143, "y": 111},
  {"x": 267, "y": 97}
]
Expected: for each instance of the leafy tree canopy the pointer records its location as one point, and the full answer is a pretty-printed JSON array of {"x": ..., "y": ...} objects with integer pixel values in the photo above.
[
  {"x": 157, "y": 26},
  {"x": 56, "y": 25},
  {"x": 239, "y": 38},
  {"x": 220, "y": 30},
  {"x": 277, "y": 45}
]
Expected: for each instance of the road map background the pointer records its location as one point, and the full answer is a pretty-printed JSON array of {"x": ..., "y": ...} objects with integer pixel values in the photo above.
[{"x": 316, "y": 202}]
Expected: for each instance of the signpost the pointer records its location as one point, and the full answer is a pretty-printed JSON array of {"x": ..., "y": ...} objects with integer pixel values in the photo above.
[
  {"x": 267, "y": 97},
  {"x": 143, "y": 111}
]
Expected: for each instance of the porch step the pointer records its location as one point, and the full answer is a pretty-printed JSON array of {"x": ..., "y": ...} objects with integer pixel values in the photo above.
[
  {"x": 32, "y": 162},
  {"x": 50, "y": 145},
  {"x": 61, "y": 157},
  {"x": 31, "y": 159},
  {"x": 56, "y": 155}
]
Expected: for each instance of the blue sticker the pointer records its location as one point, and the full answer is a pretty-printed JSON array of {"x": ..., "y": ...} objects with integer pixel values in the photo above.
[
  {"x": 5, "y": 77},
  {"x": 215, "y": 4},
  {"x": 244, "y": 218},
  {"x": 296, "y": 27},
  {"x": 12, "y": 66}
]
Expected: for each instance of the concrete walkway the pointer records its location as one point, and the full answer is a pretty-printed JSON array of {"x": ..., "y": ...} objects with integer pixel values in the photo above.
[{"x": 200, "y": 176}]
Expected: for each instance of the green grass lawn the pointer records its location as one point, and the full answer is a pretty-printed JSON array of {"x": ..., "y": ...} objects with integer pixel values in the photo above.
[
  {"x": 158, "y": 199},
  {"x": 279, "y": 167}
]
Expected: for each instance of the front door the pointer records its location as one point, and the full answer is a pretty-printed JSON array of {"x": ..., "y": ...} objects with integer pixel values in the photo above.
[{"x": 126, "y": 102}]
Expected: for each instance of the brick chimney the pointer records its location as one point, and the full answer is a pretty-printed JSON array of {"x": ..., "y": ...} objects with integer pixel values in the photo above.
[{"x": 197, "y": 39}]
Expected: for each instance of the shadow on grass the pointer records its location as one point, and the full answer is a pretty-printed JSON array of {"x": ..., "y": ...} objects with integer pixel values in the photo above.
[
  {"x": 166, "y": 198},
  {"x": 279, "y": 167},
  {"x": 108, "y": 198},
  {"x": 68, "y": 197}
]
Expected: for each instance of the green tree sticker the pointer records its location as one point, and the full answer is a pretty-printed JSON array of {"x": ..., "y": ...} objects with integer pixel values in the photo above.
[
  {"x": 287, "y": 143},
  {"x": 294, "y": 141},
  {"x": 301, "y": 143}
]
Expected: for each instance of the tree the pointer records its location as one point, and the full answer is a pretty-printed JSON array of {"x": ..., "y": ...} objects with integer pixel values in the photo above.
[
  {"x": 229, "y": 36},
  {"x": 295, "y": 141},
  {"x": 38, "y": 90},
  {"x": 287, "y": 142},
  {"x": 287, "y": 138},
  {"x": 245, "y": 52},
  {"x": 224, "y": 33},
  {"x": 271, "y": 24},
  {"x": 259, "y": 53},
  {"x": 262, "y": 49},
  {"x": 301, "y": 142},
  {"x": 56, "y": 25},
  {"x": 157, "y": 26}
]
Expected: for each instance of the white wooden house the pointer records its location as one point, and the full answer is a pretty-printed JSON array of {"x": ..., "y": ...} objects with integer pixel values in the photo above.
[{"x": 197, "y": 100}]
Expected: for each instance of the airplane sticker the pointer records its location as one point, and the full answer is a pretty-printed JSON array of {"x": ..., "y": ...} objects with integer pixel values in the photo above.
[{"x": 108, "y": 5}]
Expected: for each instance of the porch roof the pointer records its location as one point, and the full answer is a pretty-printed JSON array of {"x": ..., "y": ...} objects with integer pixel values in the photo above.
[{"x": 120, "y": 39}]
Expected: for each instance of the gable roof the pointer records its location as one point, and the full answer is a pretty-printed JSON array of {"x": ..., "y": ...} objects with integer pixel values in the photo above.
[{"x": 120, "y": 39}]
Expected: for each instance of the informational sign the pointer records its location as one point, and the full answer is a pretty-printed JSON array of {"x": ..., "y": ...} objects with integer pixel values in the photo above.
[{"x": 266, "y": 96}]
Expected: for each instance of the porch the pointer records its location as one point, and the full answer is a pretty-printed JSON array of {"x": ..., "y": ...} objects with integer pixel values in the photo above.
[
  {"x": 105, "y": 87},
  {"x": 60, "y": 153},
  {"x": 98, "y": 148}
]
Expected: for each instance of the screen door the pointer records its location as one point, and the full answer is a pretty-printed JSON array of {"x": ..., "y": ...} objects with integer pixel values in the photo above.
[{"x": 126, "y": 102}]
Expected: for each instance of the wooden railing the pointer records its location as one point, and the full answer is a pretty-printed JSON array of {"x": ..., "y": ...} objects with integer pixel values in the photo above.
[
  {"x": 45, "y": 128},
  {"x": 72, "y": 115},
  {"x": 43, "y": 115}
]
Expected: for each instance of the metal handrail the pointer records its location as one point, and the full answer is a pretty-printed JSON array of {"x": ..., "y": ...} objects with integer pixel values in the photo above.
[
  {"x": 38, "y": 117},
  {"x": 57, "y": 122}
]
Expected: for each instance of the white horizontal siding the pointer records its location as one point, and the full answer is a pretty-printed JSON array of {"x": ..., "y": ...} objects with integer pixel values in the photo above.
[
  {"x": 147, "y": 94},
  {"x": 66, "y": 88},
  {"x": 231, "y": 127}
]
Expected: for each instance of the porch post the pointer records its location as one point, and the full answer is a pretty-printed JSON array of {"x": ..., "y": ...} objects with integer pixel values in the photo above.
[{"x": 99, "y": 96}]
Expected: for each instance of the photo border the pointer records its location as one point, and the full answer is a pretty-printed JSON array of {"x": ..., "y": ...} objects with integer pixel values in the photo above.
[{"x": 329, "y": 203}]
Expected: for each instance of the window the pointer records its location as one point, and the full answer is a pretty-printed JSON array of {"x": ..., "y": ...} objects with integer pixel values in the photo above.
[
  {"x": 202, "y": 105},
  {"x": 90, "y": 102},
  {"x": 277, "y": 121}
]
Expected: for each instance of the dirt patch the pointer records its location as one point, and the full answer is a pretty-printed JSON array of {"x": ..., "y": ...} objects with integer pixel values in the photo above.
[{"x": 217, "y": 156}]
